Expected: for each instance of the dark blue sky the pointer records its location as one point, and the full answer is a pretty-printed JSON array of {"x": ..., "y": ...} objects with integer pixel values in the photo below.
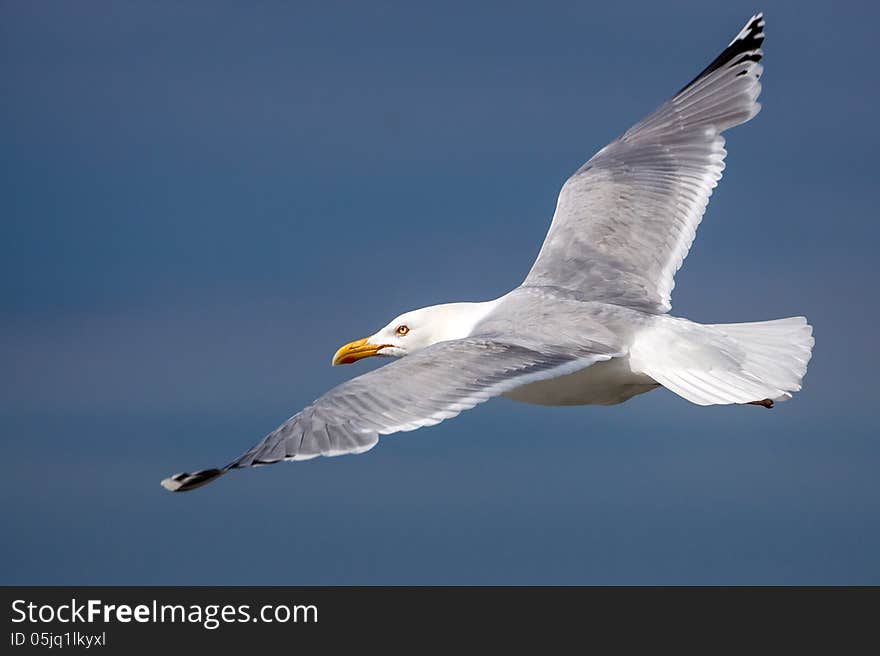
[{"x": 200, "y": 203}]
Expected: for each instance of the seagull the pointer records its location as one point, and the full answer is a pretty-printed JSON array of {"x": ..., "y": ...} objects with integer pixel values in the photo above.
[{"x": 590, "y": 324}]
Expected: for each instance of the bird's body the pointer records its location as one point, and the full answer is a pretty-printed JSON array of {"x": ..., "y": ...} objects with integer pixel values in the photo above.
[
  {"x": 589, "y": 325},
  {"x": 605, "y": 383}
]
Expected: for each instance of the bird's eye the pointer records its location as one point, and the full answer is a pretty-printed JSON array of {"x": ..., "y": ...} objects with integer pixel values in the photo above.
[{"x": 402, "y": 329}]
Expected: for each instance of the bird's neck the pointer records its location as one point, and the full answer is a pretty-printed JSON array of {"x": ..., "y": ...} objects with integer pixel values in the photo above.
[{"x": 458, "y": 320}]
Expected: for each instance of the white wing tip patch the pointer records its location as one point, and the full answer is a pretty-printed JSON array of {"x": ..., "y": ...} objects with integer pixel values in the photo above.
[
  {"x": 755, "y": 27},
  {"x": 171, "y": 484}
]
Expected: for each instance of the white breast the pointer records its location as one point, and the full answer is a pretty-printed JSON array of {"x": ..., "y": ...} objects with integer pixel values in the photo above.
[{"x": 604, "y": 383}]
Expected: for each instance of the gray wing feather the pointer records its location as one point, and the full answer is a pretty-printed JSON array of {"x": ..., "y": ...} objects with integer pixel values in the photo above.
[
  {"x": 625, "y": 221},
  {"x": 421, "y": 389}
]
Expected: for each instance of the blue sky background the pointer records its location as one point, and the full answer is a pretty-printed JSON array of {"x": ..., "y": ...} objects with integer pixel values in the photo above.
[{"x": 200, "y": 202}]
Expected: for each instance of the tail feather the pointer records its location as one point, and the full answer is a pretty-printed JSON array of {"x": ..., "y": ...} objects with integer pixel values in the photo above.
[
  {"x": 777, "y": 351},
  {"x": 726, "y": 363}
]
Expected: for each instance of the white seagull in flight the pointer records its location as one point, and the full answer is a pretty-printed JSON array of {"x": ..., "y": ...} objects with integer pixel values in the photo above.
[{"x": 589, "y": 324}]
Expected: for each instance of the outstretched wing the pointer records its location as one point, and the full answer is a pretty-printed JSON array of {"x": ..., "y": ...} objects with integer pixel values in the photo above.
[
  {"x": 625, "y": 221},
  {"x": 419, "y": 390}
]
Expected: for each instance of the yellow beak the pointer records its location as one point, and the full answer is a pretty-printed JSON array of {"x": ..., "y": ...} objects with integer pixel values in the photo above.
[{"x": 354, "y": 351}]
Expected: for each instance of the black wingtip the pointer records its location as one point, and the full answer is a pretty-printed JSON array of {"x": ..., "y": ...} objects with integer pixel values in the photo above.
[
  {"x": 186, "y": 481},
  {"x": 746, "y": 46}
]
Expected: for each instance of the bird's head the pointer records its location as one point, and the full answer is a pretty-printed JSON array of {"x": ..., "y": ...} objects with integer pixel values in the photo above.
[{"x": 415, "y": 330}]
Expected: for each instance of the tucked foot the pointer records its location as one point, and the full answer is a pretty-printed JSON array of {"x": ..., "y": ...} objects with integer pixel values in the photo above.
[{"x": 767, "y": 403}]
